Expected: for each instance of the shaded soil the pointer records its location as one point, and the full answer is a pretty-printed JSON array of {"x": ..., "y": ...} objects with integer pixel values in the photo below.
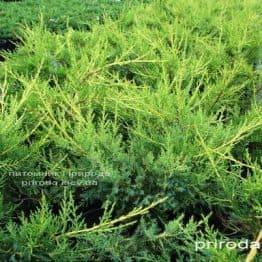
[{"x": 8, "y": 45}]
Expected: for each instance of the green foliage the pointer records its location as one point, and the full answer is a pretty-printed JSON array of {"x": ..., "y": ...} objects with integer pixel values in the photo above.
[
  {"x": 57, "y": 15},
  {"x": 158, "y": 103}
]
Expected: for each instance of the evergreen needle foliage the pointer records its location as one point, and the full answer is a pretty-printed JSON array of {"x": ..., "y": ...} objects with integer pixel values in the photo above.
[
  {"x": 56, "y": 14},
  {"x": 147, "y": 129}
]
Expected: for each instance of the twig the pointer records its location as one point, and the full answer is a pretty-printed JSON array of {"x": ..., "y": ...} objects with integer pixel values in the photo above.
[
  {"x": 136, "y": 212},
  {"x": 253, "y": 251}
]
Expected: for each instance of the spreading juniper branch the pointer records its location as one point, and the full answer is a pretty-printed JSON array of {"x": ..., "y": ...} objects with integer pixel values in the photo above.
[{"x": 109, "y": 224}]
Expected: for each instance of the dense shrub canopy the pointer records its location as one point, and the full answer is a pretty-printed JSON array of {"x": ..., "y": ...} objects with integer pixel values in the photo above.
[
  {"x": 161, "y": 107},
  {"x": 59, "y": 14}
]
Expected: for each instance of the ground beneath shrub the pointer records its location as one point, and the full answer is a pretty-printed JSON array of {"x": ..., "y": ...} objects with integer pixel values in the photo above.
[{"x": 8, "y": 45}]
